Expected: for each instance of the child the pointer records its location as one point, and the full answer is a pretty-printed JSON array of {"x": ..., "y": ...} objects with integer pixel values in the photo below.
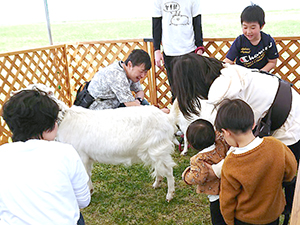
[
  {"x": 254, "y": 48},
  {"x": 253, "y": 170},
  {"x": 201, "y": 136},
  {"x": 42, "y": 181}
]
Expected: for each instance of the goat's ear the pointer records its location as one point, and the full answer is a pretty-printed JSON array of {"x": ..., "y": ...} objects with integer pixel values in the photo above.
[
  {"x": 14, "y": 92},
  {"x": 50, "y": 93}
]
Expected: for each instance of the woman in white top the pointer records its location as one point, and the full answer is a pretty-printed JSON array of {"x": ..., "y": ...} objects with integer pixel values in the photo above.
[{"x": 42, "y": 181}]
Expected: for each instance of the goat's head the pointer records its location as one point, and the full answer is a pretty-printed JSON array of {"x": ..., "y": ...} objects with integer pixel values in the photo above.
[{"x": 37, "y": 87}]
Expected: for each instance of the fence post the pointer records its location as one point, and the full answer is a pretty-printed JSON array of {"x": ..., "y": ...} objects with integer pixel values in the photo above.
[{"x": 152, "y": 77}]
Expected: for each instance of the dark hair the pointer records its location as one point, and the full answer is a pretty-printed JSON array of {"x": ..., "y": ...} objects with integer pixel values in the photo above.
[
  {"x": 192, "y": 77},
  {"x": 253, "y": 13},
  {"x": 201, "y": 134},
  {"x": 138, "y": 57},
  {"x": 29, "y": 113},
  {"x": 234, "y": 115}
]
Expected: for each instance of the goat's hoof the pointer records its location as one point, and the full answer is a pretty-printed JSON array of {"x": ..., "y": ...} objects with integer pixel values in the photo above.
[
  {"x": 92, "y": 191},
  {"x": 156, "y": 185},
  {"x": 169, "y": 197},
  {"x": 183, "y": 153},
  {"x": 157, "y": 182}
]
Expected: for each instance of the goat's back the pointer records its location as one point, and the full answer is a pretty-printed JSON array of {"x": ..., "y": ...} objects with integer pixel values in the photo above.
[{"x": 115, "y": 136}]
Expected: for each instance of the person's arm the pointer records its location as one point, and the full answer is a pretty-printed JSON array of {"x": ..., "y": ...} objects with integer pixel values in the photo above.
[
  {"x": 139, "y": 94},
  {"x": 270, "y": 65},
  {"x": 198, "y": 35},
  {"x": 122, "y": 88},
  {"x": 197, "y": 173},
  {"x": 271, "y": 54},
  {"x": 233, "y": 51},
  {"x": 157, "y": 36},
  {"x": 83, "y": 196},
  {"x": 226, "y": 60},
  {"x": 216, "y": 169},
  {"x": 79, "y": 180},
  {"x": 134, "y": 103}
]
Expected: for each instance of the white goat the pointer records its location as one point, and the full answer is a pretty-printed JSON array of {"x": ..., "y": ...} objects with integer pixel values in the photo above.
[
  {"x": 142, "y": 134},
  {"x": 207, "y": 112}
]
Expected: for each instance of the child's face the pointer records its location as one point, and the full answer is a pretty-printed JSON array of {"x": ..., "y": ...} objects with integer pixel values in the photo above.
[{"x": 252, "y": 31}]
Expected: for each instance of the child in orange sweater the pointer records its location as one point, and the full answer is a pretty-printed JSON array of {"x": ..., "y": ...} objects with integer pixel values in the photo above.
[
  {"x": 253, "y": 170},
  {"x": 212, "y": 149}
]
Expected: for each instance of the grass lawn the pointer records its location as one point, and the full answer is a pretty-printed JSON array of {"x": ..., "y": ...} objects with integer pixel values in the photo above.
[
  {"x": 278, "y": 23},
  {"x": 124, "y": 195}
]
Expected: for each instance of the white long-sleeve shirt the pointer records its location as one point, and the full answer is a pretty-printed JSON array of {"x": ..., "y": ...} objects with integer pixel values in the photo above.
[
  {"x": 42, "y": 182},
  {"x": 258, "y": 90}
]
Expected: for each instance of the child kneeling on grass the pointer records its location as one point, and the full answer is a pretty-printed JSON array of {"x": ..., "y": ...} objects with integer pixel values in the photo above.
[
  {"x": 202, "y": 137},
  {"x": 253, "y": 170}
]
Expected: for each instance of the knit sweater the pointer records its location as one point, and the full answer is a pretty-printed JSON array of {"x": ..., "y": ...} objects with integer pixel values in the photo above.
[
  {"x": 251, "y": 187},
  {"x": 197, "y": 173}
]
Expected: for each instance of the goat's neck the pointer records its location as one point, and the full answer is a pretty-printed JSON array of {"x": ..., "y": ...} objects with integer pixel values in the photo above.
[{"x": 62, "y": 111}]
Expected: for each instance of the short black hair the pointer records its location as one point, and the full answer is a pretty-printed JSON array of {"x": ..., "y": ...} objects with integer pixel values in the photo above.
[
  {"x": 253, "y": 13},
  {"x": 234, "y": 115},
  {"x": 29, "y": 113},
  {"x": 138, "y": 57},
  {"x": 201, "y": 134}
]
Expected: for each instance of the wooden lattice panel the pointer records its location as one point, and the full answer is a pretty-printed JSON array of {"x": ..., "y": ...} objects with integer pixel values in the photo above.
[
  {"x": 19, "y": 69},
  {"x": 288, "y": 63},
  {"x": 164, "y": 96},
  {"x": 86, "y": 58},
  {"x": 65, "y": 67},
  {"x": 217, "y": 47}
]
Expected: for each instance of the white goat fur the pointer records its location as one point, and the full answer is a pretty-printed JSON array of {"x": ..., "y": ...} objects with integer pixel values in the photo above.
[
  {"x": 142, "y": 134},
  {"x": 207, "y": 112}
]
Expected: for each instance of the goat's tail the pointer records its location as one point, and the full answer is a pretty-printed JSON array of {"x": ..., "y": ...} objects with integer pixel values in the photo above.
[{"x": 174, "y": 113}]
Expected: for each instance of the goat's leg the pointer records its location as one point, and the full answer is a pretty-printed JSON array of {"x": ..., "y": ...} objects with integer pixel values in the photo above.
[
  {"x": 186, "y": 144},
  {"x": 165, "y": 169},
  {"x": 171, "y": 185},
  {"x": 157, "y": 181}
]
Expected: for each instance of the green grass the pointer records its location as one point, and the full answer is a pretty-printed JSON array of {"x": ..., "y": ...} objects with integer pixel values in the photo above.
[
  {"x": 278, "y": 23},
  {"x": 124, "y": 195}
]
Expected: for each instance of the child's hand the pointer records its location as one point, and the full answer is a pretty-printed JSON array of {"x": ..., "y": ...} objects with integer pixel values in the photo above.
[{"x": 211, "y": 173}]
